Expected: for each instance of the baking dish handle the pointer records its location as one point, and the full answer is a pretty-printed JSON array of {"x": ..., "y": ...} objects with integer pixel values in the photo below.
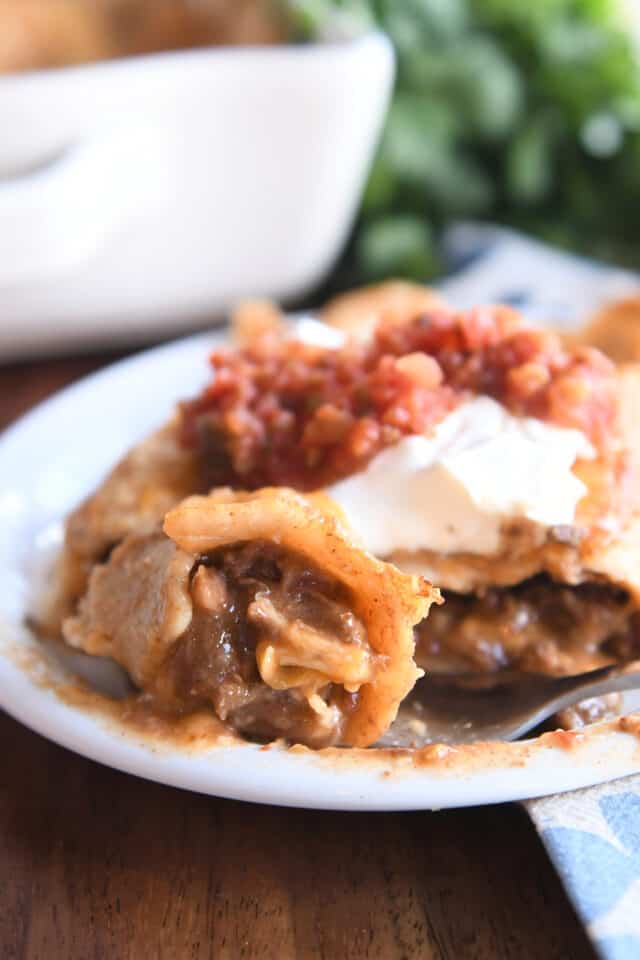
[{"x": 56, "y": 217}]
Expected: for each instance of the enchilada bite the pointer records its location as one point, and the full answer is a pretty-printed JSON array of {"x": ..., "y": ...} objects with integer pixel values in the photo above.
[
  {"x": 262, "y": 606},
  {"x": 467, "y": 447}
]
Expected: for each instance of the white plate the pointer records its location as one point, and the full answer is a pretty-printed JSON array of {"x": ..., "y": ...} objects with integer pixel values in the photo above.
[{"x": 55, "y": 455}]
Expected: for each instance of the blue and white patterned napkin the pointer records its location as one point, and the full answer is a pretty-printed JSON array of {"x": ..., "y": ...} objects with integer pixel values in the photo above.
[
  {"x": 593, "y": 839},
  {"x": 496, "y": 265},
  {"x": 593, "y": 835}
]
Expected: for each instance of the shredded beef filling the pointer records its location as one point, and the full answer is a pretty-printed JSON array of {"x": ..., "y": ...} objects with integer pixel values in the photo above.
[
  {"x": 256, "y": 605},
  {"x": 537, "y": 626}
]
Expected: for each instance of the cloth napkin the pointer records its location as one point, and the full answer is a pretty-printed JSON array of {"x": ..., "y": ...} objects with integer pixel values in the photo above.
[
  {"x": 592, "y": 836},
  {"x": 491, "y": 264},
  {"x": 593, "y": 839}
]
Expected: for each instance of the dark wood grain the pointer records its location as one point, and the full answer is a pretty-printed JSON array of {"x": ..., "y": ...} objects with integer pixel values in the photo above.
[{"x": 95, "y": 864}]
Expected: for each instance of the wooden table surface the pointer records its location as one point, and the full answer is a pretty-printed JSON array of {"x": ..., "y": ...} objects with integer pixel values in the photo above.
[{"x": 97, "y": 864}]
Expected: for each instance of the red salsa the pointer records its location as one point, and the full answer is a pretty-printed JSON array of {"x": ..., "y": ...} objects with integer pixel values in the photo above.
[{"x": 279, "y": 411}]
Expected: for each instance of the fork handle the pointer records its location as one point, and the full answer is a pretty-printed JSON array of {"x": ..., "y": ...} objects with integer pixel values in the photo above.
[{"x": 612, "y": 679}]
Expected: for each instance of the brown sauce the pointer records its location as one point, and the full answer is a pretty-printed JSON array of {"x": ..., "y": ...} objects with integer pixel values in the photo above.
[{"x": 201, "y": 731}]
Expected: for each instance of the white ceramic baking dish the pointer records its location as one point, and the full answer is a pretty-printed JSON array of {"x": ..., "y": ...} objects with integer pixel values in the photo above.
[{"x": 141, "y": 196}]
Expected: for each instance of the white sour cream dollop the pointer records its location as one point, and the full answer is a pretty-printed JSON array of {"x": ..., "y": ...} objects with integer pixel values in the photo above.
[
  {"x": 453, "y": 490},
  {"x": 315, "y": 333}
]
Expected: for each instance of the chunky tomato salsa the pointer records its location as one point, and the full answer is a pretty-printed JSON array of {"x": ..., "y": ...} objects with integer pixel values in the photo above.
[{"x": 281, "y": 411}]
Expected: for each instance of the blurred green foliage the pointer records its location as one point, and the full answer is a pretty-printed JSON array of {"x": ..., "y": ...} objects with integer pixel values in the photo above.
[{"x": 525, "y": 112}]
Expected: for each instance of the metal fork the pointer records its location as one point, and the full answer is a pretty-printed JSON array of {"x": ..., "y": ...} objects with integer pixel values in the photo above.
[{"x": 462, "y": 708}]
